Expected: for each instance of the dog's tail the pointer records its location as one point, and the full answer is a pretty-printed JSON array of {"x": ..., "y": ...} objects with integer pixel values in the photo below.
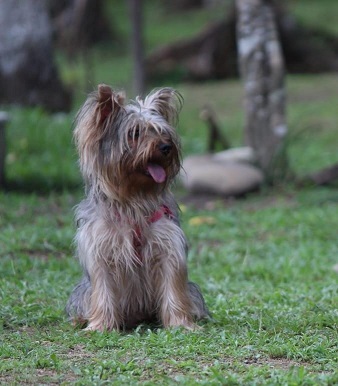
[
  {"x": 200, "y": 310},
  {"x": 78, "y": 304}
]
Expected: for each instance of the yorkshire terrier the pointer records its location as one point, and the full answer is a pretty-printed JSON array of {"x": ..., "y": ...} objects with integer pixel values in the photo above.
[{"x": 129, "y": 240}]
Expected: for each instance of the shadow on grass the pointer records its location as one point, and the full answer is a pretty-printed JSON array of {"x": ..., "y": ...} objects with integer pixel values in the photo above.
[{"x": 40, "y": 184}]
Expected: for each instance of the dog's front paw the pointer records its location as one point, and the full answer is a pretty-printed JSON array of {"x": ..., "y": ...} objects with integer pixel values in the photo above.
[
  {"x": 100, "y": 327},
  {"x": 92, "y": 327},
  {"x": 190, "y": 326},
  {"x": 182, "y": 322}
]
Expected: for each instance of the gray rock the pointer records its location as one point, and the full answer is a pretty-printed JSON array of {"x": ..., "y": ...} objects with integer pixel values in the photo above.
[
  {"x": 204, "y": 174},
  {"x": 236, "y": 154}
]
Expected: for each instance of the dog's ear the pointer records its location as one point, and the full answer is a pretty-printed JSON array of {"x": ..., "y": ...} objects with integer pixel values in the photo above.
[
  {"x": 109, "y": 103},
  {"x": 93, "y": 121},
  {"x": 166, "y": 102},
  {"x": 97, "y": 114}
]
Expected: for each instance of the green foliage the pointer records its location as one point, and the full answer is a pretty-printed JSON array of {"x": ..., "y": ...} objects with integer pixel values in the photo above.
[
  {"x": 316, "y": 14},
  {"x": 40, "y": 154}
]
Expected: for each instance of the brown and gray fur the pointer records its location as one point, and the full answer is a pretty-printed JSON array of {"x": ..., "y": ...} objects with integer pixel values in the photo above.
[{"x": 129, "y": 155}]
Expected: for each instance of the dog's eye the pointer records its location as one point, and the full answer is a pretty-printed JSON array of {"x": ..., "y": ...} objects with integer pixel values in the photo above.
[{"x": 134, "y": 134}]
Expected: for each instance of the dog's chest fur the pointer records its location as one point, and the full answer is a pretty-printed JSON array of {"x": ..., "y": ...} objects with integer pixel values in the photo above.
[{"x": 126, "y": 238}]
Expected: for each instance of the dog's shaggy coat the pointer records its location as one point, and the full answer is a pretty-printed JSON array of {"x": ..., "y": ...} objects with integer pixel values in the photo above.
[{"x": 129, "y": 242}]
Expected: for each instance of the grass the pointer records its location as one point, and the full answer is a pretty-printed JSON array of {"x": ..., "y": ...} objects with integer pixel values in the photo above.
[
  {"x": 40, "y": 152},
  {"x": 265, "y": 263},
  {"x": 318, "y": 14}
]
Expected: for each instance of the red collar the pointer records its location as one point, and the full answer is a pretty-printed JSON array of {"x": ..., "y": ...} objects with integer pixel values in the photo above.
[
  {"x": 156, "y": 216},
  {"x": 162, "y": 211}
]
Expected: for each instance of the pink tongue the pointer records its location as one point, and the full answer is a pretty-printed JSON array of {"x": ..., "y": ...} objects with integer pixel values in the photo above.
[{"x": 157, "y": 172}]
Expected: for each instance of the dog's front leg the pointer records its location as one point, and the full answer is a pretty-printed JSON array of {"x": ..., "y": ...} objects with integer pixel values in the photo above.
[
  {"x": 175, "y": 308},
  {"x": 105, "y": 314}
]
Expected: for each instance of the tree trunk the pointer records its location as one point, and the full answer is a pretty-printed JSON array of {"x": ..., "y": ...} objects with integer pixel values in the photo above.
[
  {"x": 212, "y": 53},
  {"x": 137, "y": 49},
  {"x": 262, "y": 70},
  {"x": 3, "y": 121},
  {"x": 182, "y": 5},
  {"x": 324, "y": 176},
  {"x": 28, "y": 74},
  {"x": 79, "y": 24}
]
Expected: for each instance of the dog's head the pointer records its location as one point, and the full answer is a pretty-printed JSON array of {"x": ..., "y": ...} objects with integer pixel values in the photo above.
[{"x": 129, "y": 149}]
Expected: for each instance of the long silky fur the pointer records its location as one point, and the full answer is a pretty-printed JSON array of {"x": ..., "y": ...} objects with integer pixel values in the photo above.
[{"x": 119, "y": 288}]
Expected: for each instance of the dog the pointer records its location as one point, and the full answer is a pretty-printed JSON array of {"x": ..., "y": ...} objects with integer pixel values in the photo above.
[{"x": 129, "y": 240}]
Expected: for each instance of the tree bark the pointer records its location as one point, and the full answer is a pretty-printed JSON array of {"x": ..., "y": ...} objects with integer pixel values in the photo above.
[
  {"x": 137, "y": 49},
  {"x": 3, "y": 121},
  {"x": 215, "y": 133},
  {"x": 324, "y": 176},
  {"x": 262, "y": 70},
  {"x": 28, "y": 74},
  {"x": 79, "y": 24},
  {"x": 211, "y": 54}
]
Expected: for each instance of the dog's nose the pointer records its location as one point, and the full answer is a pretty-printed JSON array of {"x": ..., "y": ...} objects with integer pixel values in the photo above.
[{"x": 165, "y": 148}]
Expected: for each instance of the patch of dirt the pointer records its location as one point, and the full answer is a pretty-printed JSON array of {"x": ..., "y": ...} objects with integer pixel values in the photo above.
[
  {"x": 277, "y": 363},
  {"x": 77, "y": 353},
  {"x": 39, "y": 377}
]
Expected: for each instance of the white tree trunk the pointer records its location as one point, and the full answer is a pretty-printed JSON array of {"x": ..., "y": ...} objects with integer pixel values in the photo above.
[{"x": 262, "y": 70}]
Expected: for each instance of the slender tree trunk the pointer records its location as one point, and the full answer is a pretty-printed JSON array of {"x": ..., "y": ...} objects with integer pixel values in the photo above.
[
  {"x": 262, "y": 70},
  {"x": 135, "y": 9},
  {"x": 3, "y": 121}
]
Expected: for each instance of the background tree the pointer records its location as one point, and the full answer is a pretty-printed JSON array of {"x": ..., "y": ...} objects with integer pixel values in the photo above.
[
  {"x": 212, "y": 53},
  {"x": 262, "y": 70},
  {"x": 79, "y": 24},
  {"x": 28, "y": 74},
  {"x": 3, "y": 121},
  {"x": 137, "y": 48}
]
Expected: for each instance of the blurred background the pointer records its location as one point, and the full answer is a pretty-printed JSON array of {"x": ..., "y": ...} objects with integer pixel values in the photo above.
[{"x": 52, "y": 53}]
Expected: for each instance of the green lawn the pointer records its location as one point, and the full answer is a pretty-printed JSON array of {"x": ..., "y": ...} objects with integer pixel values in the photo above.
[{"x": 267, "y": 264}]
